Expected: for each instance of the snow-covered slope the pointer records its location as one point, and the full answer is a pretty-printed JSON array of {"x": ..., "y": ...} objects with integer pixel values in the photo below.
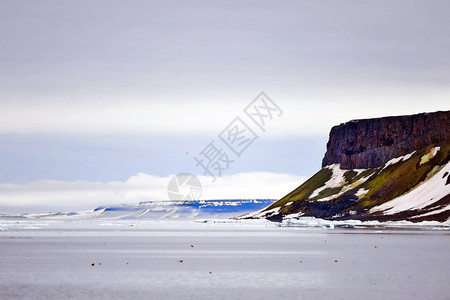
[
  {"x": 413, "y": 187},
  {"x": 426, "y": 194}
]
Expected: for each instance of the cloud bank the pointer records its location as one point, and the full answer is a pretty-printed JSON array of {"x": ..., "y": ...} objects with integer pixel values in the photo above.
[
  {"x": 85, "y": 195},
  {"x": 305, "y": 113},
  {"x": 177, "y": 68}
]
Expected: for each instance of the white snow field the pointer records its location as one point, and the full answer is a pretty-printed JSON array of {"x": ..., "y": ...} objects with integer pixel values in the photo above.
[{"x": 137, "y": 259}]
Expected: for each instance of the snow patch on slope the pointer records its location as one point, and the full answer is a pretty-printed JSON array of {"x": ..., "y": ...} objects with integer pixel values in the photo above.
[
  {"x": 426, "y": 193},
  {"x": 434, "y": 212},
  {"x": 429, "y": 155},
  {"x": 337, "y": 179},
  {"x": 262, "y": 213},
  {"x": 347, "y": 188},
  {"x": 361, "y": 192},
  {"x": 398, "y": 159}
]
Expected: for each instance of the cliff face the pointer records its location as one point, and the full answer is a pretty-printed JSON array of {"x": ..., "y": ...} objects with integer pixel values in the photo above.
[
  {"x": 386, "y": 169},
  {"x": 370, "y": 143}
]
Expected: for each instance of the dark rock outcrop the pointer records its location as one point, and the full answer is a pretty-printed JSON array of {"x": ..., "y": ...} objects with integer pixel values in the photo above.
[
  {"x": 370, "y": 143},
  {"x": 363, "y": 187}
]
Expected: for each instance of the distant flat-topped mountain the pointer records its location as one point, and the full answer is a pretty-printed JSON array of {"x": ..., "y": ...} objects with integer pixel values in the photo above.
[{"x": 386, "y": 169}]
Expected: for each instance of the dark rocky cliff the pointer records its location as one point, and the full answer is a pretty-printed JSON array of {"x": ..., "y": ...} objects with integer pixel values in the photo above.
[
  {"x": 370, "y": 143},
  {"x": 363, "y": 187}
]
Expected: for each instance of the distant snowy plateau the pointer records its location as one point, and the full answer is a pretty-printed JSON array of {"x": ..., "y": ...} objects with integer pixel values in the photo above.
[{"x": 158, "y": 210}]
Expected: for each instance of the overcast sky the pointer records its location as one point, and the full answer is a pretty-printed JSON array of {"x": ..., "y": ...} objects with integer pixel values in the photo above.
[{"x": 100, "y": 91}]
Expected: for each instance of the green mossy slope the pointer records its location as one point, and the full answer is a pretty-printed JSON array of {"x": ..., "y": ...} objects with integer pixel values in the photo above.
[{"x": 376, "y": 186}]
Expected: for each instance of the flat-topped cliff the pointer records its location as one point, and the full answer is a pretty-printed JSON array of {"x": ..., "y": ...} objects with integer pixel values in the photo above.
[
  {"x": 386, "y": 169},
  {"x": 370, "y": 143}
]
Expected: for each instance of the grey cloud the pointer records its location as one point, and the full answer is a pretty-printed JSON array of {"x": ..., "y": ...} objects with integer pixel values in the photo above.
[{"x": 53, "y": 46}]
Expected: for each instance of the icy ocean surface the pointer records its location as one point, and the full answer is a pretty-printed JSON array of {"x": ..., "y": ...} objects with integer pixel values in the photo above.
[{"x": 221, "y": 259}]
